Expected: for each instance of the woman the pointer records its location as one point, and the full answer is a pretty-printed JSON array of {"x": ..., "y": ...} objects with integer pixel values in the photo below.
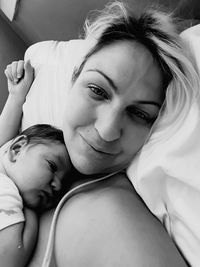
[{"x": 132, "y": 67}]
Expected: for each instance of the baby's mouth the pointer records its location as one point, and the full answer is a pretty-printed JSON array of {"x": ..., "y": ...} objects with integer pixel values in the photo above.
[{"x": 46, "y": 197}]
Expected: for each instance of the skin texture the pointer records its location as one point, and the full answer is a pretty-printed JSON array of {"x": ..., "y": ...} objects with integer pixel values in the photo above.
[
  {"x": 120, "y": 91},
  {"x": 37, "y": 170},
  {"x": 110, "y": 226},
  {"x": 107, "y": 225}
]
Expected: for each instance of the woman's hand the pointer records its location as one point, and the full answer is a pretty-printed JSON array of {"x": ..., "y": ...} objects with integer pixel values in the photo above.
[{"x": 20, "y": 76}]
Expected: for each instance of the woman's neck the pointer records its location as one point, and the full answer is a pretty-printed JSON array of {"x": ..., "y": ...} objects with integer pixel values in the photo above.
[{"x": 78, "y": 178}]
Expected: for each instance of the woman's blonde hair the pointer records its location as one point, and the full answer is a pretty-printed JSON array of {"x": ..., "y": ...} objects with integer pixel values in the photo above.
[{"x": 157, "y": 32}]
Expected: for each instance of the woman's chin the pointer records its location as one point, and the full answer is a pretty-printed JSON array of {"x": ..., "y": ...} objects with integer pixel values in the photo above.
[{"x": 88, "y": 168}]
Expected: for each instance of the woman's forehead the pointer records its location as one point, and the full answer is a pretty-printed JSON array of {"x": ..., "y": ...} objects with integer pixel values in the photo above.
[{"x": 127, "y": 65}]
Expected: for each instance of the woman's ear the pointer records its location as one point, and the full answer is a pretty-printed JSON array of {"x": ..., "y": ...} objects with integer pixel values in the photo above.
[{"x": 16, "y": 146}]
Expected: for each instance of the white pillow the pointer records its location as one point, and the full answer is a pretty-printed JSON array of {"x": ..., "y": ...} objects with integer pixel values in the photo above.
[
  {"x": 167, "y": 175},
  {"x": 54, "y": 63}
]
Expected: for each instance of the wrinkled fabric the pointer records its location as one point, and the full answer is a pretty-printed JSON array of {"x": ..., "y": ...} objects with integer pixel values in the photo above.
[
  {"x": 167, "y": 175},
  {"x": 11, "y": 204}
]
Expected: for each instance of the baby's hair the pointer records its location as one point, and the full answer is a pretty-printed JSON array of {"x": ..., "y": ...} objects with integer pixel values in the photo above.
[
  {"x": 43, "y": 134},
  {"x": 156, "y": 31}
]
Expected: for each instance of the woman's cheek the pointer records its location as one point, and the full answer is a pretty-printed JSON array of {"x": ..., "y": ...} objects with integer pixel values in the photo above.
[
  {"x": 136, "y": 136},
  {"x": 79, "y": 110}
]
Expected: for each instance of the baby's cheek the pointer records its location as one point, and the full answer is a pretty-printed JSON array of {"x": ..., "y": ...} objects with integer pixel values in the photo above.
[
  {"x": 51, "y": 203},
  {"x": 32, "y": 200}
]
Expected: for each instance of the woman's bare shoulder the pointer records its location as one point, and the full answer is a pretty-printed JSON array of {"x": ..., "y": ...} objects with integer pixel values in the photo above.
[{"x": 110, "y": 226}]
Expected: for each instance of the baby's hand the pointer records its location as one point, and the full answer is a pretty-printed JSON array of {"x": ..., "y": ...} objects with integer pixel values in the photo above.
[{"x": 20, "y": 76}]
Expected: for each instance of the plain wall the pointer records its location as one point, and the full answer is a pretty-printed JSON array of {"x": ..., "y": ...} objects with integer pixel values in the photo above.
[
  {"x": 38, "y": 20},
  {"x": 12, "y": 47}
]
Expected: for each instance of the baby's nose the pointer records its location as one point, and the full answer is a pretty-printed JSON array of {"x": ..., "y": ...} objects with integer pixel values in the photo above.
[{"x": 56, "y": 184}]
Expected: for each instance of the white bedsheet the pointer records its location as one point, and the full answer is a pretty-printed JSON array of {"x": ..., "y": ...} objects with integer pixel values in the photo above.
[{"x": 167, "y": 175}]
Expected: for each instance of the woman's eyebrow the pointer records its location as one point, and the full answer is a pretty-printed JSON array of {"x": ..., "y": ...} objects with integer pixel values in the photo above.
[
  {"x": 109, "y": 80},
  {"x": 115, "y": 88},
  {"x": 146, "y": 102}
]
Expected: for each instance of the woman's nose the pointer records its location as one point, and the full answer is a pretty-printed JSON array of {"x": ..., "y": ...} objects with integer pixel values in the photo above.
[
  {"x": 109, "y": 125},
  {"x": 56, "y": 184}
]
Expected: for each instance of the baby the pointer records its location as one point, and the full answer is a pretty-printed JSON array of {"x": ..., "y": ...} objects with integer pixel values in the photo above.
[{"x": 32, "y": 167}]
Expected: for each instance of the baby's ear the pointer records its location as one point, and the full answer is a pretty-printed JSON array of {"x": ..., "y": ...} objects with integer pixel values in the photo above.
[{"x": 16, "y": 146}]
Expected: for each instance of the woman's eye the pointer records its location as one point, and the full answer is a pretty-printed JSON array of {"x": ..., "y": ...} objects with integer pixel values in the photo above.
[
  {"x": 140, "y": 115},
  {"x": 98, "y": 92},
  {"x": 53, "y": 166}
]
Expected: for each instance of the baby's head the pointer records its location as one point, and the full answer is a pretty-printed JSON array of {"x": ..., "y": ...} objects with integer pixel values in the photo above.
[{"x": 36, "y": 161}]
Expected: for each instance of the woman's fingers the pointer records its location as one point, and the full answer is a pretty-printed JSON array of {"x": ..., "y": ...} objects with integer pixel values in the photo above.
[
  {"x": 20, "y": 69},
  {"x": 29, "y": 73},
  {"x": 8, "y": 73},
  {"x": 28, "y": 68},
  {"x": 15, "y": 71},
  {"x": 20, "y": 76}
]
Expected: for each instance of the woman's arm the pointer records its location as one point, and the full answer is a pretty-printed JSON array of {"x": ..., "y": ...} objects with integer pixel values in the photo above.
[
  {"x": 18, "y": 88},
  {"x": 18, "y": 241},
  {"x": 111, "y": 226}
]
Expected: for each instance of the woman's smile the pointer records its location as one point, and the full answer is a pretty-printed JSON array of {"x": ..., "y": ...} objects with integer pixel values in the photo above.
[{"x": 94, "y": 147}]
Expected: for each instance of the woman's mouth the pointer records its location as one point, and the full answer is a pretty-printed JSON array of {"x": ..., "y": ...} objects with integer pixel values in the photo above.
[{"x": 99, "y": 148}]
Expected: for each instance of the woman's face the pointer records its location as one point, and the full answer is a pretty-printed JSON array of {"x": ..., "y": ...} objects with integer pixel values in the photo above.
[{"x": 111, "y": 107}]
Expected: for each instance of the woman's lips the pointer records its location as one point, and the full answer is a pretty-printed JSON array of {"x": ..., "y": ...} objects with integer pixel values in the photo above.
[{"x": 100, "y": 148}]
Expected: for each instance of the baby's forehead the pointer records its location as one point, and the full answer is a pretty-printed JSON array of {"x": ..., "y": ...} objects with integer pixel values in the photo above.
[
  {"x": 49, "y": 147},
  {"x": 51, "y": 150},
  {"x": 48, "y": 142},
  {"x": 59, "y": 151}
]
